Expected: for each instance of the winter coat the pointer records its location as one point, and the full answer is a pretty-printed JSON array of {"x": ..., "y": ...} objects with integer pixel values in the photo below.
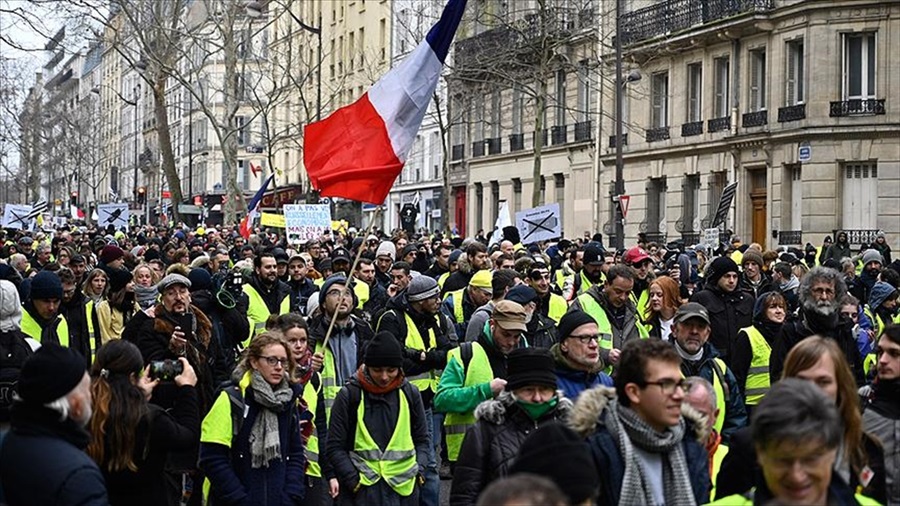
[
  {"x": 807, "y": 325},
  {"x": 573, "y": 381},
  {"x": 621, "y": 335},
  {"x": 43, "y": 463},
  {"x": 764, "y": 286},
  {"x": 229, "y": 326},
  {"x": 735, "y": 415},
  {"x": 881, "y": 419},
  {"x": 728, "y": 313},
  {"x": 460, "y": 278},
  {"x": 272, "y": 297},
  {"x": 301, "y": 291},
  {"x": 493, "y": 442},
  {"x": 885, "y": 250},
  {"x": 228, "y": 467},
  {"x": 837, "y": 251},
  {"x": 588, "y": 419},
  {"x": 158, "y": 433},
  {"x": 380, "y": 416},
  {"x": 540, "y": 331}
]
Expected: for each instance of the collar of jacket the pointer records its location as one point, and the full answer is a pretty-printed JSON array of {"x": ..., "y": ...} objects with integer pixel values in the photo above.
[
  {"x": 497, "y": 411},
  {"x": 565, "y": 365},
  {"x": 886, "y": 399},
  {"x": 41, "y": 421}
]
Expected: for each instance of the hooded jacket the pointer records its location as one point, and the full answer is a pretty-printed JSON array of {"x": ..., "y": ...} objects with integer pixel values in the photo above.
[
  {"x": 571, "y": 381},
  {"x": 491, "y": 445},
  {"x": 588, "y": 419},
  {"x": 881, "y": 419},
  {"x": 728, "y": 313},
  {"x": 460, "y": 278}
]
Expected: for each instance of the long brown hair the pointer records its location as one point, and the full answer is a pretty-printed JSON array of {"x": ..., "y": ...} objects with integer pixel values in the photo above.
[
  {"x": 671, "y": 295},
  {"x": 87, "y": 287},
  {"x": 804, "y": 355},
  {"x": 119, "y": 405}
]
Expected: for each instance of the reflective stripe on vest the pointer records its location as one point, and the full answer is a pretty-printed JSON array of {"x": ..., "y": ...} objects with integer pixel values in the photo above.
[
  {"x": 558, "y": 307},
  {"x": 876, "y": 320},
  {"x": 328, "y": 375},
  {"x": 92, "y": 337},
  {"x": 33, "y": 329},
  {"x": 311, "y": 398},
  {"x": 458, "y": 313},
  {"x": 258, "y": 312},
  {"x": 456, "y": 424},
  {"x": 757, "y": 384},
  {"x": 397, "y": 463},
  {"x": 443, "y": 279},
  {"x": 414, "y": 341}
]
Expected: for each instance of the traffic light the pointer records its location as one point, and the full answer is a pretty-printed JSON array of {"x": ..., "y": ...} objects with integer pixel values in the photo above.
[
  {"x": 142, "y": 195},
  {"x": 73, "y": 198}
]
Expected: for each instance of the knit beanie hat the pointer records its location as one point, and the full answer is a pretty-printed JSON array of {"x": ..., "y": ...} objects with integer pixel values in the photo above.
[
  {"x": 386, "y": 248},
  {"x": 422, "y": 288},
  {"x": 881, "y": 292},
  {"x": 572, "y": 469},
  {"x": 872, "y": 255},
  {"x": 751, "y": 255},
  {"x": 530, "y": 367},
  {"x": 111, "y": 253},
  {"x": 521, "y": 294},
  {"x": 384, "y": 351},
  {"x": 571, "y": 321},
  {"x": 334, "y": 279},
  {"x": 200, "y": 279},
  {"x": 46, "y": 285},
  {"x": 718, "y": 268},
  {"x": 52, "y": 372},
  {"x": 409, "y": 248},
  {"x": 454, "y": 255},
  {"x": 10, "y": 307},
  {"x": 118, "y": 278}
]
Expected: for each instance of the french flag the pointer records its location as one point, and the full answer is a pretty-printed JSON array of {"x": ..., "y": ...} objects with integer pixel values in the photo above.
[
  {"x": 359, "y": 150},
  {"x": 253, "y": 208}
]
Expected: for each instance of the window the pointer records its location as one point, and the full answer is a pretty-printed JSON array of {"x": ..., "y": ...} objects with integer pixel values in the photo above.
[
  {"x": 560, "y": 98},
  {"x": 543, "y": 184},
  {"x": 496, "y": 111},
  {"x": 479, "y": 205},
  {"x": 794, "y": 82},
  {"x": 495, "y": 201},
  {"x": 860, "y": 194},
  {"x": 721, "y": 86},
  {"x": 518, "y": 110},
  {"x": 859, "y": 66},
  {"x": 382, "y": 38},
  {"x": 351, "y": 48},
  {"x": 794, "y": 179},
  {"x": 695, "y": 87},
  {"x": 659, "y": 96},
  {"x": 517, "y": 194},
  {"x": 690, "y": 201},
  {"x": 437, "y": 150},
  {"x": 241, "y": 125},
  {"x": 656, "y": 205},
  {"x": 757, "y": 80},
  {"x": 560, "y": 187},
  {"x": 362, "y": 47},
  {"x": 584, "y": 91}
]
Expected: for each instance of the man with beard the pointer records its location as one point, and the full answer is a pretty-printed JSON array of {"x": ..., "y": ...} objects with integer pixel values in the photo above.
[
  {"x": 872, "y": 263},
  {"x": 820, "y": 293},
  {"x": 753, "y": 280},
  {"x": 592, "y": 273},
  {"x": 302, "y": 288},
  {"x": 475, "y": 259},
  {"x": 881, "y": 417},
  {"x": 365, "y": 274},
  {"x": 78, "y": 312},
  {"x": 549, "y": 304},
  {"x": 729, "y": 308},
  {"x": 266, "y": 293},
  {"x": 384, "y": 258},
  {"x": 837, "y": 251},
  {"x": 41, "y": 319},
  {"x": 441, "y": 264},
  {"x": 42, "y": 460},
  {"x": 236, "y": 252}
]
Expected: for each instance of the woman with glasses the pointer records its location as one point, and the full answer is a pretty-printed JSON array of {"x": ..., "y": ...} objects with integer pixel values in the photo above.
[{"x": 251, "y": 449}]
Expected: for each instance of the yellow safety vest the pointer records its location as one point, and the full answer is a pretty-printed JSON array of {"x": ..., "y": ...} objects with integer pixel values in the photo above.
[
  {"x": 32, "y": 328},
  {"x": 558, "y": 307},
  {"x": 640, "y": 303},
  {"x": 747, "y": 500},
  {"x": 362, "y": 293},
  {"x": 397, "y": 463},
  {"x": 93, "y": 335},
  {"x": 443, "y": 279},
  {"x": 311, "y": 398},
  {"x": 329, "y": 385},
  {"x": 258, "y": 312},
  {"x": 429, "y": 379},
  {"x": 217, "y": 424},
  {"x": 458, "y": 313},
  {"x": 560, "y": 278},
  {"x": 590, "y": 306},
  {"x": 757, "y": 384},
  {"x": 455, "y": 424},
  {"x": 876, "y": 320},
  {"x": 718, "y": 457}
]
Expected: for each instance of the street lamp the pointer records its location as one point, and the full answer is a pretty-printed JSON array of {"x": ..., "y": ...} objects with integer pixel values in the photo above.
[{"x": 634, "y": 75}]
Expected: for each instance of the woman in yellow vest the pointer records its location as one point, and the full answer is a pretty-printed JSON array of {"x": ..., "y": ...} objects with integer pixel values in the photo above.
[
  {"x": 251, "y": 450},
  {"x": 377, "y": 437},
  {"x": 750, "y": 354}
]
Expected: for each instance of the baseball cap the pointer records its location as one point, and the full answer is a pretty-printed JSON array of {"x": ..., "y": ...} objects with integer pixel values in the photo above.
[
  {"x": 340, "y": 254},
  {"x": 691, "y": 310},
  {"x": 593, "y": 256},
  {"x": 635, "y": 256},
  {"x": 509, "y": 315}
]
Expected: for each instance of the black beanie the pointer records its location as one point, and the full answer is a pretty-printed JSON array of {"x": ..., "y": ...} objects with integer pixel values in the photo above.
[
  {"x": 384, "y": 351},
  {"x": 52, "y": 372},
  {"x": 571, "y": 321},
  {"x": 530, "y": 367},
  {"x": 718, "y": 268},
  {"x": 572, "y": 469},
  {"x": 118, "y": 278},
  {"x": 46, "y": 285}
]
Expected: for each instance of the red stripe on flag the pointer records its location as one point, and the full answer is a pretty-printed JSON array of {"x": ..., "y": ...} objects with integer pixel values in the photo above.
[{"x": 349, "y": 154}]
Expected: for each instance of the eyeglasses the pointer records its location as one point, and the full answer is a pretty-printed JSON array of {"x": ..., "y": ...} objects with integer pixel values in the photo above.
[
  {"x": 668, "y": 385},
  {"x": 823, "y": 291},
  {"x": 337, "y": 293},
  {"x": 586, "y": 338},
  {"x": 273, "y": 361}
]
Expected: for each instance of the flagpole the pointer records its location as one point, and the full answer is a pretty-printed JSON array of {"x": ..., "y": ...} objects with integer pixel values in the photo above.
[{"x": 359, "y": 251}]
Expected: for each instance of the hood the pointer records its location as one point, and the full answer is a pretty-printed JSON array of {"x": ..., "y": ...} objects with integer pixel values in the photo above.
[
  {"x": 494, "y": 411},
  {"x": 881, "y": 291},
  {"x": 592, "y": 403},
  {"x": 10, "y": 307},
  {"x": 463, "y": 264},
  {"x": 791, "y": 284}
]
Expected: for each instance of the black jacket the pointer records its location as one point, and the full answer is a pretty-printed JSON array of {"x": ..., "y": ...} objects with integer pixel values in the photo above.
[
  {"x": 492, "y": 443},
  {"x": 76, "y": 317},
  {"x": 271, "y": 296},
  {"x": 728, "y": 313},
  {"x": 301, "y": 291},
  {"x": 841, "y": 330},
  {"x": 43, "y": 463},
  {"x": 765, "y": 285},
  {"x": 228, "y": 325},
  {"x": 541, "y": 331}
]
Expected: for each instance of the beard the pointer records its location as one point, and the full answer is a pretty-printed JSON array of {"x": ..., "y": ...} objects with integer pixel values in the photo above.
[
  {"x": 594, "y": 277},
  {"x": 822, "y": 308}
]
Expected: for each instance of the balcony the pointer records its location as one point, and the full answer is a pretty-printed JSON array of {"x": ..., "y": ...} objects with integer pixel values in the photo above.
[
  {"x": 671, "y": 16},
  {"x": 457, "y": 151},
  {"x": 494, "y": 146},
  {"x": 612, "y": 140},
  {"x": 718, "y": 124},
  {"x": 690, "y": 238},
  {"x": 516, "y": 142},
  {"x": 478, "y": 148},
  {"x": 657, "y": 134},
  {"x": 790, "y": 237},
  {"x": 857, "y": 107},
  {"x": 693, "y": 128},
  {"x": 583, "y": 131},
  {"x": 558, "y": 134},
  {"x": 755, "y": 119},
  {"x": 791, "y": 113},
  {"x": 858, "y": 237}
]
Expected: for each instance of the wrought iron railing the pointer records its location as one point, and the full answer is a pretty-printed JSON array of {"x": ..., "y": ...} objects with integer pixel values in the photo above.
[
  {"x": 791, "y": 113},
  {"x": 493, "y": 146},
  {"x": 790, "y": 237},
  {"x": 478, "y": 148},
  {"x": 857, "y": 237},
  {"x": 755, "y": 119},
  {"x": 718, "y": 124},
  {"x": 857, "y": 107},
  {"x": 672, "y": 16},
  {"x": 583, "y": 131},
  {"x": 516, "y": 142},
  {"x": 690, "y": 238},
  {"x": 558, "y": 134},
  {"x": 657, "y": 134},
  {"x": 612, "y": 140},
  {"x": 693, "y": 128}
]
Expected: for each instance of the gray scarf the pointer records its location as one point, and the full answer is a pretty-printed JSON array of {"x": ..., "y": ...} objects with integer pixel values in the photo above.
[
  {"x": 145, "y": 296},
  {"x": 265, "y": 441},
  {"x": 628, "y": 430}
]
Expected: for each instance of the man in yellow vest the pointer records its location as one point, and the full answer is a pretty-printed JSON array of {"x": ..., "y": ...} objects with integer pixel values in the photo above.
[
  {"x": 41, "y": 320},
  {"x": 700, "y": 358},
  {"x": 700, "y": 396},
  {"x": 266, "y": 293},
  {"x": 592, "y": 272},
  {"x": 549, "y": 304},
  {"x": 459, "y": 305},
  {"x": 378, "y": 438},
  {"x": 642, "y": 263},
  {"x": 426, "y": 335}
]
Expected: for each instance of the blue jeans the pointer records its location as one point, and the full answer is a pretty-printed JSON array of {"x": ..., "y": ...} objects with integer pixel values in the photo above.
[{"x": 431, "y": 491}]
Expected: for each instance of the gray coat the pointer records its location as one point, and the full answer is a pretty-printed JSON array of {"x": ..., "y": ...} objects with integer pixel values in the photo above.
[{"x": 881, "y": 419}]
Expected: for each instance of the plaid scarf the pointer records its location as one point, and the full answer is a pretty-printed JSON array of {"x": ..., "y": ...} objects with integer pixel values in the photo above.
[{"x": 265, "y": 440}]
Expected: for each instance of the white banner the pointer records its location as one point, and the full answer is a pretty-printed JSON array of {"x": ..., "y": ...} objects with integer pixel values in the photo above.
[
  {"x": 112, "y": 214},
  {"x": 305, "y": 222},
  {"x": 539, "y": 224},
  {"x": 17, "y": 216}
]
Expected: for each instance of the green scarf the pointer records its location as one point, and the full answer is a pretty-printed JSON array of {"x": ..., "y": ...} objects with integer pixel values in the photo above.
[{"x": 537, "y": 411}]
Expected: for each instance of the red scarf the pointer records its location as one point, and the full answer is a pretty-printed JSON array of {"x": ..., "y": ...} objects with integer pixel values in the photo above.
[{"x": 369, "y": 386}]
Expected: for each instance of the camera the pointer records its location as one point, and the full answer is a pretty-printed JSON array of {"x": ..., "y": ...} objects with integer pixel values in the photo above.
[{"x": 165, "y": 370}]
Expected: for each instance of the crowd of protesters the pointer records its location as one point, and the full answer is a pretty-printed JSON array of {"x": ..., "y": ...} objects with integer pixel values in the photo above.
[{"x": 197, "y": 366}]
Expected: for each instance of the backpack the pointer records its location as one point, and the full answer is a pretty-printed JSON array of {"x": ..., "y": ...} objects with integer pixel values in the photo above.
[{"x": 14, "y": 350}]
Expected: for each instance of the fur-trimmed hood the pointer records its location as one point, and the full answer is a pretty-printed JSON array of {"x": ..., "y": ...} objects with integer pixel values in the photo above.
[
  {"x": 588, "y": 411},
  {"x": 165, "y": 326},
  {"x": 494, "y": 411}
]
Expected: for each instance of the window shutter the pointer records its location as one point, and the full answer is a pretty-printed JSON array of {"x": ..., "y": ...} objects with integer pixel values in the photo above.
[
  {"x": 754, "y": 82},
  {"x": 791, "y": 97}
]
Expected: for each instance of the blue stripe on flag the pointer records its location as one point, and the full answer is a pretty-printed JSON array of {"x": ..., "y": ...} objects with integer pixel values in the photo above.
[{"x": 441, "y": 34}]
